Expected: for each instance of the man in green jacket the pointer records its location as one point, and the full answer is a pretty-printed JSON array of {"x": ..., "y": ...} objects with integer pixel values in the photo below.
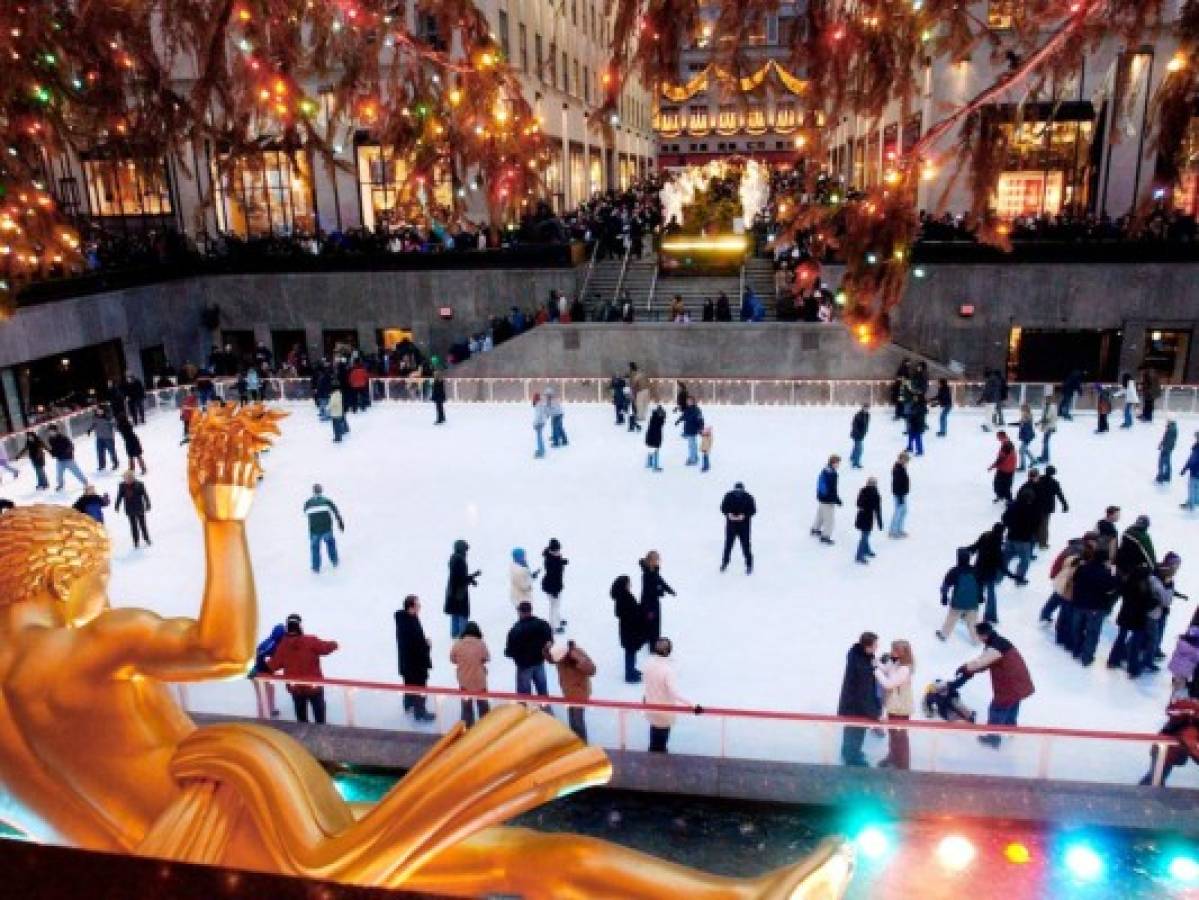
[{"x": 321, "y": 511}]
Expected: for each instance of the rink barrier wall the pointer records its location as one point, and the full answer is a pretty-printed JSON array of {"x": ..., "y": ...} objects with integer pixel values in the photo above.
[
  {"x": 1175, "y": 399},
  {"x": 357, "y": 704}
]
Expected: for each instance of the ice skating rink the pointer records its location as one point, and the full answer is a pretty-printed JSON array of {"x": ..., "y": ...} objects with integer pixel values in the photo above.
[{"x": 774, "y": 640}]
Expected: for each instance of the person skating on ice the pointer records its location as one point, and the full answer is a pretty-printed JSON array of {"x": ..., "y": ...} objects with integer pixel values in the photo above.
[
  {"x": 520, "y": 578},
  {"x": 739, "y": 509},
  {"x": 858, "y": 428},
  {"x": 413, "y": 650},
  {"x": 457, "y": 589},
  {"x": 541, "y": 415},
  {"x": 557, "y": 419},
  {"x": 653, "y": 438},
  {"x": 692, "y": 420},
  {"x": 132, "y": 495},
  {"x": 631, "y": 630},
  {"x": 653, "y": 589},
  {"x": 827, "y": 500},
  {"x": 321, "y": 511},
  {"x": 1004, "y": 468},
  {"x": 552, "y": 583},
  {"x": 705, "y": 448},
  {"x": 901, "y": 486},
  {"x": 870, "y": 511}
]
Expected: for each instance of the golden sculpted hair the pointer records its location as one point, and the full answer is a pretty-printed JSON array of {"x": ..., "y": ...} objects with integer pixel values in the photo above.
[{"x": 38, "y": 543}]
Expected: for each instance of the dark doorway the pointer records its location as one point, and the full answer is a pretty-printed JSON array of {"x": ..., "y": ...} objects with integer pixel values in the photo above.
[
  {"x": 1051, "y": 354},
  {"x": 242, "y": 342},
  {"x": 68, "y": 380},
  {"x": 284, "y": 341},
  {"x": 1167, "y": 351},
  {"x": 340, "y": 341},
  {"x": 154, "y": 361}
]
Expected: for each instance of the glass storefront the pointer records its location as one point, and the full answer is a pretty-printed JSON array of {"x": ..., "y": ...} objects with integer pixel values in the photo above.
[
  {"x": 266, "y": 193},
  {"x": 391, "y": 198},
  {"x": 1046, "y": 168},
  {"x": 126, "y": 187}
]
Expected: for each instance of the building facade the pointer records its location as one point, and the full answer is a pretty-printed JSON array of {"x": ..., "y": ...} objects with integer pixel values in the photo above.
[{"x": 559, "y": 49}]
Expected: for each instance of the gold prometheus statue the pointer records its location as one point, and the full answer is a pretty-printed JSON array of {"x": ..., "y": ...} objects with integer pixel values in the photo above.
[{"x": 96, "y": 753}]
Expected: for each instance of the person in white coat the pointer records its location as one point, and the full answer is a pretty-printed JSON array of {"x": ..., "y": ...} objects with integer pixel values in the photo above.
[
  {"x": 894, "y": 676},
  {"x": 541, "y": 415},
  {"x": 1132, "y": 399},
  {"x": 661, "y": 687},
  {"x": 521, "y": 579}
]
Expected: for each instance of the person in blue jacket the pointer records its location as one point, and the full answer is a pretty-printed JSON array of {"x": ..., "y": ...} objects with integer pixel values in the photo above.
[
  {"x": 827, "y": 500},
  {"x": 1192, "y": 468},
  {"x": 264, "y": 691},
  {"x": 693, "y": 425}
]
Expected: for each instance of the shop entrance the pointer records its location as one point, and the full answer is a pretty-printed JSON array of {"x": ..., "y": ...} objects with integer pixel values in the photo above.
[
  {"x": 1044, "y": 354},
  {"x": 1167, "y": 352}
]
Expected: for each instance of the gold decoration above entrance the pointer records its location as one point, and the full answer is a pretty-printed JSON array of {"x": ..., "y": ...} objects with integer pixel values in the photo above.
[{"x": 680, "y": 92}]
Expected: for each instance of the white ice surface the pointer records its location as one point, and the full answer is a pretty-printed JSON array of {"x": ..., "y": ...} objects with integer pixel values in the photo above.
[{"x": 774, "y": 640}]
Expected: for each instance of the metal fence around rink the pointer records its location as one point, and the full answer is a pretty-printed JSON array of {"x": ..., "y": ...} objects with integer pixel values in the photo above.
[
  {"x": 1060, "y": 754},
  {"x": 1175, "y": 399}
]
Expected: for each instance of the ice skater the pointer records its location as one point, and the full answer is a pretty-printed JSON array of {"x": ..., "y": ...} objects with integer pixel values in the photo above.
[
  {"x": 1191, "y": 467},
  {"x": 653, "y": 438},
  {"x": 552, "y": 583},
  {"x": 520, "y": 578},
  {"x": 62, "y": 448},
  {"x": 901, "y": 486},
  {"x": 1026, "y": 435},
  {"x": 620, "y": 397},
  {"x": 827, "y": 501},
  {"x": 1165, "y": 453},
  {"x": 457, "y": 590},
  {"x": 1048, "y": 426},
  {"x": 133, "y": 444},
  {"x": 961, "y": 591},
  {"x": 944, "y": 402},
  {"x": 132, "y": 495},
  {"x": 541, "y": 415},
  {"x": 653, "y": 589},
  {"x": 692, "y": 420},
  {"x": 1004, "y": 468},
  {"x": 35, "y": 448},
  {"x": 858, "y": 428},
  {"x": 917, "y": 424},
  {"x": 321, "y": 511},
  {"x": 437, "y": 395},
  {"x": 628, "y": 615},
  {"x": 337, "y": 413},
  {"x": 739, "y": 509},
  {"x": 557, "y": 416},
  {"x": 106, "y": 444},
  {"x": 870, "y": 511},
  {"x": 1132, "y": 400},
  {"x": 705, "y": 448}
]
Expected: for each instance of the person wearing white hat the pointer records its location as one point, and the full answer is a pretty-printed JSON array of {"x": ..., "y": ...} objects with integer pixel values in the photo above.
[{"x": 575, "y": 671}]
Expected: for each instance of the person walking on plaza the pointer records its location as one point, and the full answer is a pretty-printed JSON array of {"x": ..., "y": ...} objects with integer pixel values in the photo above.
[
  {"x": 35, "y": 448},
  {"x": 1132, "y": 399},
  {"x": 541, "y": 415},
  {"x": 106, "y": 444},
  {"x": 1048, "y": 426},
  {"x": 894, "y": 676},
  {"x": 943, "y": 401},
  {"x": 520, "y": 578},
  {"x": 870, "y": 511},
  {"x": 859, "y": 697},
  {"x": 133, "y": 444},
  {"x": 917, "y": 424},
  {"x": 1165, "y": 453},
  {"x": 415, "y": 658},
  {"x": 653, "y": 588},
  {"x": 1191, "y": 467},
  {"x": 457, "y": 588},
  {"x": 437, "y": 395},
  {"x": 739, "y": 508},
  {"x": 661, "y": 689},
  {"x": 528, "y": 642},
  {"x": 631, "y": 630},
  {"x": 1004, "y": 468},
  {"x": 557, "y": 417},
  {"x": 575, "y": 671},
  {"x": 62, "y": 448},
  {"x": 827, "y": 501},
  {"x": 692, "y": 420},
  {"x": 552, "y": 583},
  {"x": 1094, "y": 587},
  {"x": 1048, "y": 493},
  {"x": 298, "y": 655},
  {"x": 132, "y": 495},
  {"x": 900, "y": 488},
  {"x": 1011, "y": 683},
  {"x": 857, "y": 433},
  {"x": 470, "y": 657},
  {"x": 337, "y": 413},
  {"x": 653, "y": 438},
  {"x": 1026, "y": 435},
  {"x": 321, "y": 511},
  {"x": 961, "y": 591}
]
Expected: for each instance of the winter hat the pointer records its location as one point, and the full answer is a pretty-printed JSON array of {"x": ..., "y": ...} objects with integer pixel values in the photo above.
[
  {"x": 1142, "y": 522},
  {"x": 558, "y": 652},
  {"x": 518, "y": 556},
  {"x": 1171, "y": 560},
  {"x": 461, "y": 546},
  {"x": 739, "y": 486},
  {"x": 554, "y": 545}
]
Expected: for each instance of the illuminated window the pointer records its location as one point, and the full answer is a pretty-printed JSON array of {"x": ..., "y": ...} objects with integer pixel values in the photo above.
[
  {"x": 1028, "y": 194},
  {"x": 391, "y": 198},
  {"x": 697, "y": 118},
  {"x": 264, "y": 193},
  {"x": 668, "y": 119},
  {"x": 1001, "y": 13},
  {"x": 728, "y": 119},
  {"x": 126, "y": 187},
  {"x": 785, "y": 116},
  {"x": 755, "y": 117}
]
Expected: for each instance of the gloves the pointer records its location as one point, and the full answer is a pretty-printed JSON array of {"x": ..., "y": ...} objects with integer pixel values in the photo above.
[{"x": 699, "y": 710}]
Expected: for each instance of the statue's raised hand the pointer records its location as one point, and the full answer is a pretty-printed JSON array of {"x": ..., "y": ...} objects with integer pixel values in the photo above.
[{"x": 222, "y": 463}]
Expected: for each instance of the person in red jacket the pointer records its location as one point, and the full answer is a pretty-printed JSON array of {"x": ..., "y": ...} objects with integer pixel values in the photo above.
[
  {"x": 299, "y": 656},
  {"x": 359, "y": 381},
  {"x": 187, "y": 412},
  {"x": 1011, "y": 683},
  {"x": 1004, "y": 467}
]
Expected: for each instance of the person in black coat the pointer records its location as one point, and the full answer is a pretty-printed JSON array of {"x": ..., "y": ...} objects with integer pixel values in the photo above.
[
  {"x": 653, "y": 437},
  {"x": 859, "y": 697},
  {"x": 135, "y": 395},
  {"x": 457, "y": 589},
  {"x": 990, "y": 566},
  {"x": 1135, "y": 640},
  {"x": 415, "y": 660},
  {"x": 653, "y": 587},
  {"x": 632, "y": 635},
  {"x": 36, "y": 449},
  {"x": 917, "y": 425},
  {"x": 901, "y": 486},
  {"x": 724, "y": 312},
  {"x": 437, "y": 395},
  {"x": 1094, "y": 594},
  {"x": 739, "y": 509},
  {"x": 1048, "y": 493},
  {"x": 133, "y": 444},
  {"x": 132, "y": 495},
  {"x": 709, "y": 313},
  {"x": 1022, "y": 519},
  {"x": 870, "y": 511},
  {"x": 552, "y": 583}
]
